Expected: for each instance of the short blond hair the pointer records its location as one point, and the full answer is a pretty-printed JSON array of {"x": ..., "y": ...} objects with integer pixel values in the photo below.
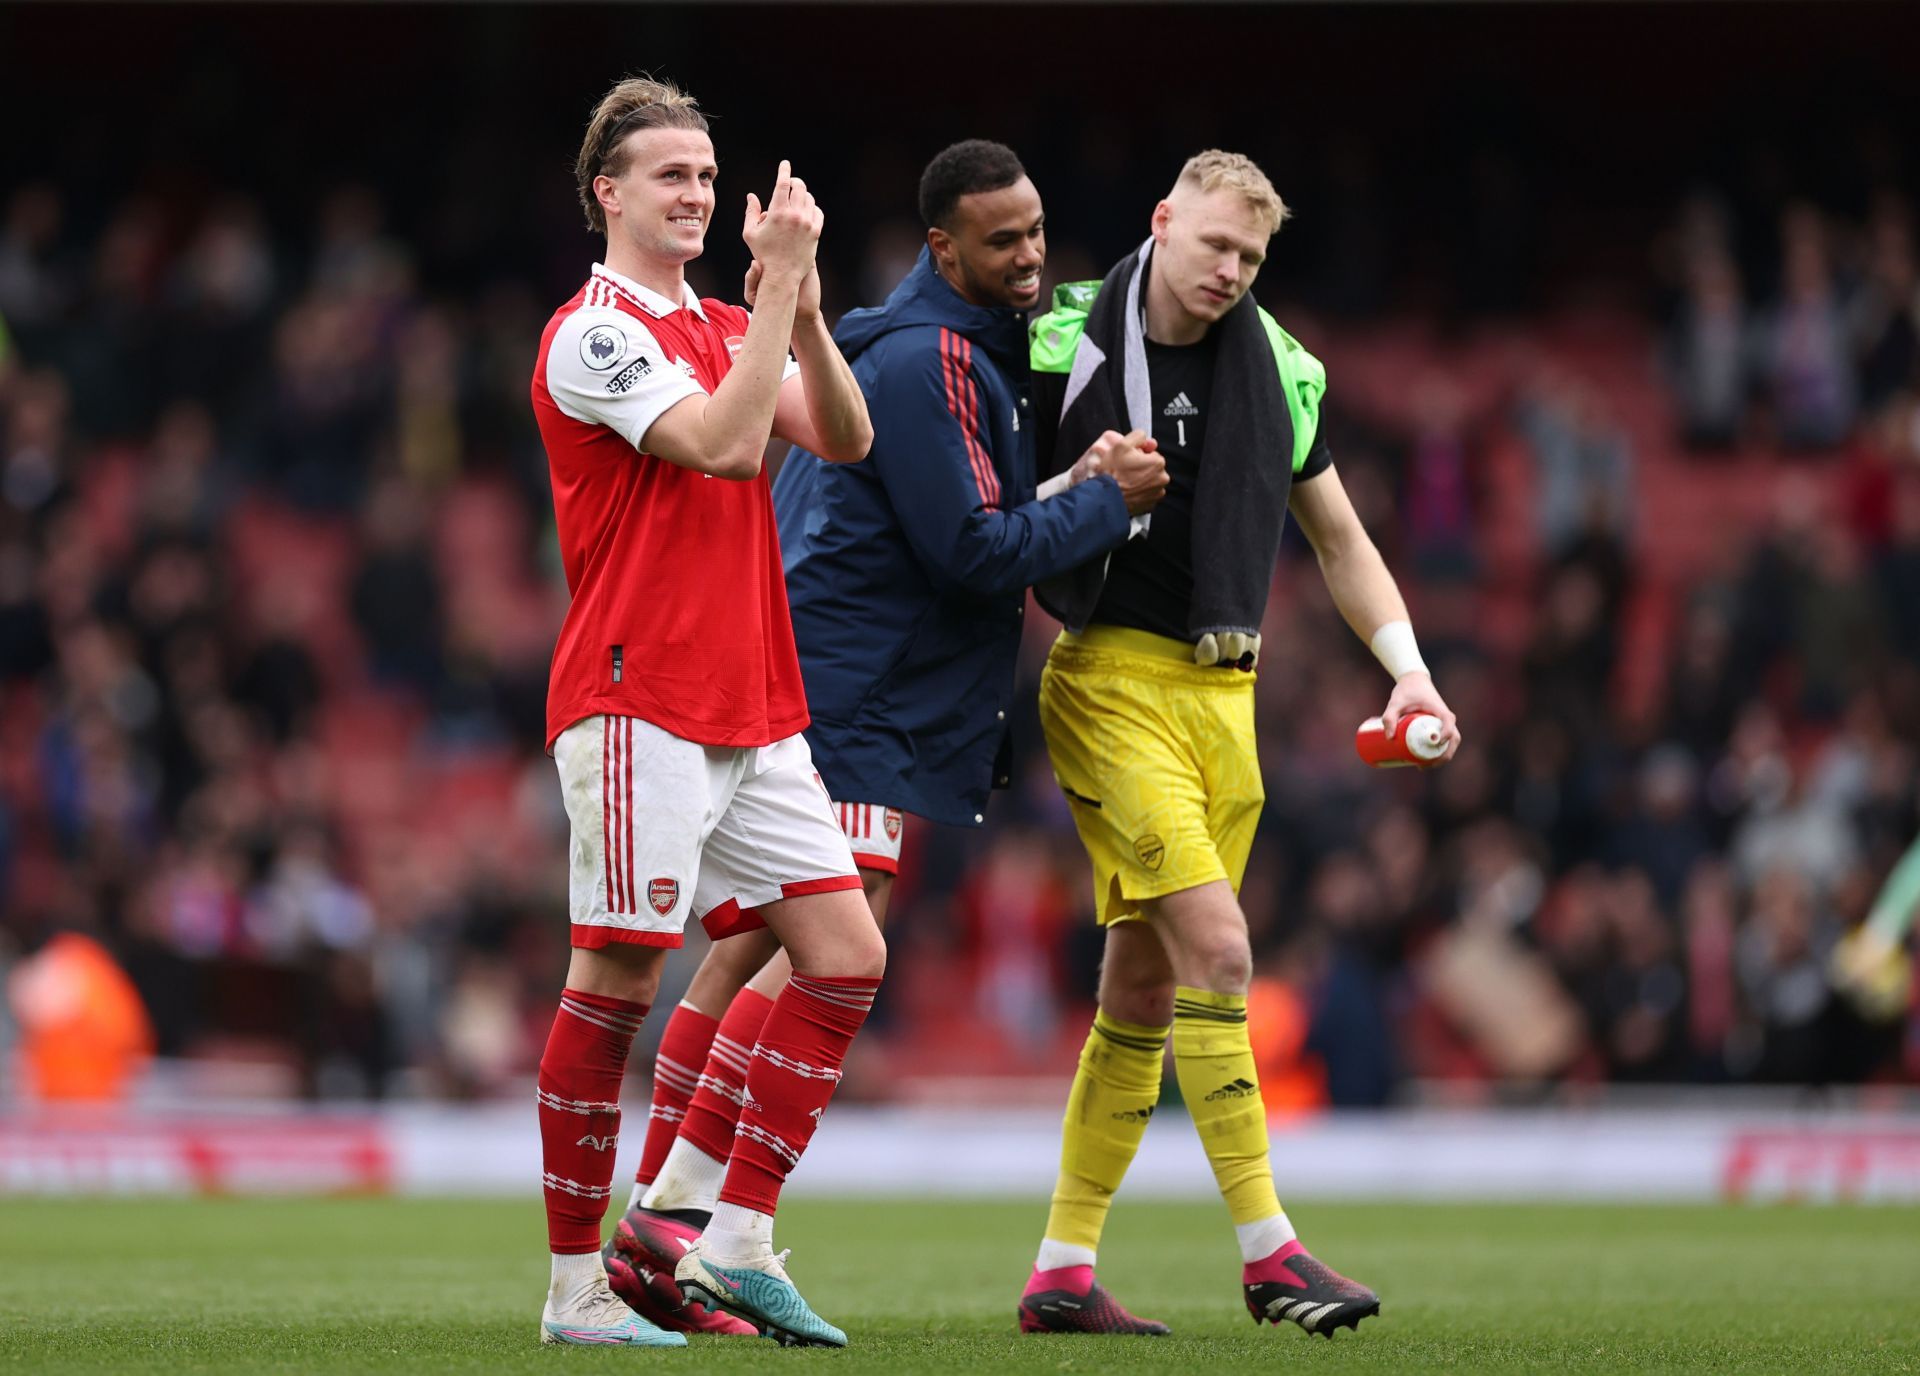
[
  {"x": 1215, "y": 170},
  {"x": 638, "y": 102}
]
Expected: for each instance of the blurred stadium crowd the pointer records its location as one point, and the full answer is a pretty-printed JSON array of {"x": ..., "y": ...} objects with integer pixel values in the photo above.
[{"x": 277, "y": 595}]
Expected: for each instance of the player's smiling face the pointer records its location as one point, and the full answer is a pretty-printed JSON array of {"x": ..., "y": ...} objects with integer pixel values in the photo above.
[
  {"x": 1208, "y": 248},
  {"x": 666, "y": 192},
  {"x": 996, "y": 247}
]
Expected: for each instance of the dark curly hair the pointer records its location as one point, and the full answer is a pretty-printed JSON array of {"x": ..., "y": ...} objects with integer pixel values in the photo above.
[{"x": 962, "y": 169}]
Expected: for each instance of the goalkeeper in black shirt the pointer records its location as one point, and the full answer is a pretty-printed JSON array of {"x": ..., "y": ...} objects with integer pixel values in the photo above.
[{"x": 1147, "y": 704}]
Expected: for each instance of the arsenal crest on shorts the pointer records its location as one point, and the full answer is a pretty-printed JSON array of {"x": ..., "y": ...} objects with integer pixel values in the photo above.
[
  {"x": 893, "y": 823},
  {"x": 663, "y": 894}
]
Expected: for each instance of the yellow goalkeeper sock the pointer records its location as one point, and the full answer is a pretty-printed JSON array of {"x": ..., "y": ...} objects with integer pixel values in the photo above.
[
  {"x": 1114, "y": 1094},
  {"x": 1213, "y": 1060}
]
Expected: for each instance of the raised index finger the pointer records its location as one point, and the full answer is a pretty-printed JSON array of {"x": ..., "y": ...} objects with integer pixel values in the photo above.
[{"x": 784, "y": 175}]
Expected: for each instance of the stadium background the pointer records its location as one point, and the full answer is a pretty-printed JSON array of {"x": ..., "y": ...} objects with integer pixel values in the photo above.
[{"x": 1619, "y": 309}]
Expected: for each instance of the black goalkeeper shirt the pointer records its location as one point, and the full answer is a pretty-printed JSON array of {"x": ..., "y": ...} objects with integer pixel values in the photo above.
[{"x": 1150, "y": 578}]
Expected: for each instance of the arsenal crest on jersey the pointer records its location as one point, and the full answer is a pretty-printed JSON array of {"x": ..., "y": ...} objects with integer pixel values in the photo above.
[
  {"x": 663, "y": 894},
  {"x": 893, "y": 821}
]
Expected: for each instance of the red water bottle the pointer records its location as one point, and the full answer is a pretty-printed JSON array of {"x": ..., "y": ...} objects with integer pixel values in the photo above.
[{"x": 1418, "y": 738}]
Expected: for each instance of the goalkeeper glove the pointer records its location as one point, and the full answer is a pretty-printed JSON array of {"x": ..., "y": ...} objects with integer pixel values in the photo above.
[{"x": 1236, "y": 649}]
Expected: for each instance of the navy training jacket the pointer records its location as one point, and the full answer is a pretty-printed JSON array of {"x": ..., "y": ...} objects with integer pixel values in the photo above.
[{"x": 908, "y": 573}]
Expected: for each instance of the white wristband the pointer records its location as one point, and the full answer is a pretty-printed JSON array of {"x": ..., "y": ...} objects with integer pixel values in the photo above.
[{"x": 1396, "y": 649}]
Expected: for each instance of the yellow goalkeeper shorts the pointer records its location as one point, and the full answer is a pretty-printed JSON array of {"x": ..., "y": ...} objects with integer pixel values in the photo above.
[{"x": 1157, "y": 758}]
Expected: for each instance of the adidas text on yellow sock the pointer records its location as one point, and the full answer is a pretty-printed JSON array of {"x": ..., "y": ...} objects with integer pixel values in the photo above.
[
  {"x": 1115, "y": 1091},
  {"x": 1213, "y": 1060}
]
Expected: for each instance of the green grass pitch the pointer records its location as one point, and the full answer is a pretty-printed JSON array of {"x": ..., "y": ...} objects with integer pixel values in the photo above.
[{"x": 418, "y": 1286}]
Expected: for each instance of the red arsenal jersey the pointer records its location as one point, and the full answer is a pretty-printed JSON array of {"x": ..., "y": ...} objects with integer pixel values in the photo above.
[{"x": 679, "y": 611}]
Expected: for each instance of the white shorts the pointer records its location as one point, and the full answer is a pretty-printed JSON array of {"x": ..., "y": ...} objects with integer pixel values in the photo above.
[
  {"x": 875, "y": 833},
  {"x": 664, "y": 828}
]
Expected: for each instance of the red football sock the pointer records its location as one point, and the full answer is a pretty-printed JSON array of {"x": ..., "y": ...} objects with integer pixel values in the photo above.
[
  {"x": 684, "y": 1043},
  {"x": 723, "y": 1084},
  {"x": 579, "y": 1097},
  {"x": 796, "y": 1065}
]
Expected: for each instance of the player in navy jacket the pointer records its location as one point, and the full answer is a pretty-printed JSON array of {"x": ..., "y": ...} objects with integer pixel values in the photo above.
[
  {"x": 908, "y": 574},
  {"x": 907, "y": 587}
]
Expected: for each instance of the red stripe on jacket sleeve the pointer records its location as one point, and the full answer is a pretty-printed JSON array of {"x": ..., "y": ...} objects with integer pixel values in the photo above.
[
  {"x": 954, "y": 368},
  {"x": 990, "y": 480}
]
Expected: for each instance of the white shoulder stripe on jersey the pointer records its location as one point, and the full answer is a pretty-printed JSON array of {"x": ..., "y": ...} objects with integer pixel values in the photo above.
[{"x": 614, "y": 396}]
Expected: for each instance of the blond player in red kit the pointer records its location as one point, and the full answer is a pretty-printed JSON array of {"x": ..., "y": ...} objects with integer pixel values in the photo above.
[{"x": 675, "y": 705}]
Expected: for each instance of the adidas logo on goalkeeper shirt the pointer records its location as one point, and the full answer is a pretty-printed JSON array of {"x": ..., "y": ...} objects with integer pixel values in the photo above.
[
  {"x": 1239, "y": 1089},
  {"x": 1180, "y": 406}
]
